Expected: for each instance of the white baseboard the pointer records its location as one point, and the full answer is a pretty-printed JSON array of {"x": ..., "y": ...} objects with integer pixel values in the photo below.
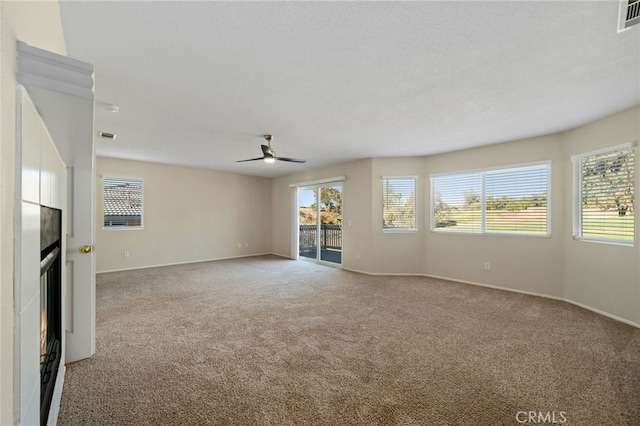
[
  {"x": 383, "y": 274},
  {"x": 287, "y": 256},
  {"x": 495, "y": 287},
  {"x": 181, "y": 263},
  {"x": 603, "y": 313},
  {"x": 546, "y": 296}
]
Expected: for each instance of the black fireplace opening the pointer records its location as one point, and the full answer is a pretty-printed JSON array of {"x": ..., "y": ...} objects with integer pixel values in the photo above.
[{"x": 50, "y": 305}]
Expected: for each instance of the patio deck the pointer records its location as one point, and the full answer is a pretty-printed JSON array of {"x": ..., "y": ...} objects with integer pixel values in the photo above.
[
  {"x": 330, "y": 242},
  {"x": 332, "y": 256}
]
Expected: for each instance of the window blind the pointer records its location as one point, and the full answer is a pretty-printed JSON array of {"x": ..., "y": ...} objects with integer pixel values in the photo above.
[
  {"x": 605, "y": 184},
  {"x": 509, "y": 200},
  {"x": 516, "y": 200},
  {"x": 399, "y": 203},
  {"x": 457, "y": 202}
]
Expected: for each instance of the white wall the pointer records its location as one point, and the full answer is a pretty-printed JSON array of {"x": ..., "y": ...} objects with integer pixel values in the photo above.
[
  {"x": 398, "y": 252},
  {"x": 532, "y": 264},
  {"x": 36, "y": 23},
  {"x": 356, "y": 238},
  {"x": 190, "y": 215},
  {"x": 602, "y": 276}
]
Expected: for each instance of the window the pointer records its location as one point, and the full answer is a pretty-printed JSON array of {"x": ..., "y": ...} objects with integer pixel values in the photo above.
[
  {"x": 399, "y": 203},
  {"x": 122, "y": 203},
  {"x": 510, "y": 200},
  {"x": 604, "y": 195}
]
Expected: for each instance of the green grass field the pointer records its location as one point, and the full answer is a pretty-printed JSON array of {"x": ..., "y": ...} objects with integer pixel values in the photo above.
[
  {"x": 608, "y": 226},
  {"x": 596, "y": 224}
]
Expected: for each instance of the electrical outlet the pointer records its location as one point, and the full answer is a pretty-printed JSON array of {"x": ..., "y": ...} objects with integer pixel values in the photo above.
[
  {"x": 487, "y": 266},
  {"x": 239, "y": 245},
  {"x": 125, "y": 254},
  {"x": 357, "y": 255}
]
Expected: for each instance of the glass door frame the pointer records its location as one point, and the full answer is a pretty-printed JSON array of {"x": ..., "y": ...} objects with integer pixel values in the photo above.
[{"x": 316, "y": 186}]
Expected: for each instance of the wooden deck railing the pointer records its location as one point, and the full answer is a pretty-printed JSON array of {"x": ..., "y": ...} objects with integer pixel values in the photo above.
[{"x": 330, "y": 237}]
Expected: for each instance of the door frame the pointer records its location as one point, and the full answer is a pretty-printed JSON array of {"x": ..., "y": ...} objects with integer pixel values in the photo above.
[
  {"x": 295, "y": 227},
  {"x": 318, "y": 223}
]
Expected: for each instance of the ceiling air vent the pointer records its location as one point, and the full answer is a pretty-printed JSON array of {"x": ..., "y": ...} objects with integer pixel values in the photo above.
[{"x": 629, "y": 14}]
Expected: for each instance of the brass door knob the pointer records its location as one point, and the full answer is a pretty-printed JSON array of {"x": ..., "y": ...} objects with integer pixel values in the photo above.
[{"x": 86, "y": 249}]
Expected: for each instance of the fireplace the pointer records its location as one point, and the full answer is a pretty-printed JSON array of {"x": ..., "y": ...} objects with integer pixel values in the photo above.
[{"x": 50, "y": 305}]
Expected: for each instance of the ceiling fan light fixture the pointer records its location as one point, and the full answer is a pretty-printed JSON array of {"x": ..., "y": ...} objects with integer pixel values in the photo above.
[{"x": 269, "y": 155}]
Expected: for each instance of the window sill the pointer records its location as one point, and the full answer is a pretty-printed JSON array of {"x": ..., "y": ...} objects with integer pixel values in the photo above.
[
  {"x": 123, "y": 228},
  {"x": 602, "y": 241},
  {"x": 493, "y": 234}
]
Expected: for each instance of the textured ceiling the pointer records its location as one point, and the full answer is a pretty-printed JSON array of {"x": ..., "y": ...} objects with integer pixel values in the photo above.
[{"x": 198, "y": 83}]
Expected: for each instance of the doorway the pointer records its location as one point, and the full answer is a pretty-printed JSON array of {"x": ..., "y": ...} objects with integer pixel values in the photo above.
[{"x": 320, "y": 223}]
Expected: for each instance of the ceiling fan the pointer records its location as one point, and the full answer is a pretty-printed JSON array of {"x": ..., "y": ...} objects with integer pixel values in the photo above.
[{"x": 269, "y": 155}]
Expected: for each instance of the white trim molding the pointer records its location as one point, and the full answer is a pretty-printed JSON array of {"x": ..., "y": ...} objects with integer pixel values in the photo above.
[
  {"x": 546, "y": 296},
  {"x": 318, "y": 182},
  {"x": 495, "y": 287},
  {"x": 47, "y": 70}
]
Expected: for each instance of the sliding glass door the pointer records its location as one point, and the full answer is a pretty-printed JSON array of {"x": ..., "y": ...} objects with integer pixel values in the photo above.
[
  {"x": 320, "y": 223},
  {"x": 308, "y": 223}
]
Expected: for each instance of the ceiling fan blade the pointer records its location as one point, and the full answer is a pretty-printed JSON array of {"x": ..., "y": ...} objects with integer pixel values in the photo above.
[
  {"x": 290, "y": 160},
  {"x": 269, "y": 155},
  {"x": 251, "y": 159}
]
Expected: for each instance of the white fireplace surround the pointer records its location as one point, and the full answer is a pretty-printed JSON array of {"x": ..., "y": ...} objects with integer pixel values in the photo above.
[
  {"x": 54, "y": 126},
  {"x": 43, "y": 183}
]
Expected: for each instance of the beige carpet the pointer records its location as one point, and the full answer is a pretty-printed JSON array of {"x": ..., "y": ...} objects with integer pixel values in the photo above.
[{"x": 271, "y": 341}]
